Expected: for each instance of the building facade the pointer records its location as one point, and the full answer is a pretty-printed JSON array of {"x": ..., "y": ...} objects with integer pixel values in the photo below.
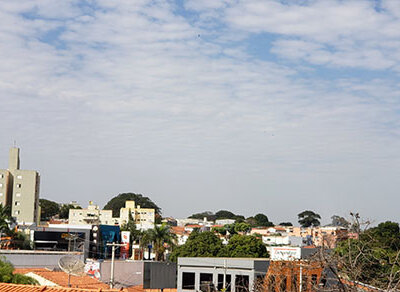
[
  {"x": 19, "y": 189},
  {"x": 143, "y": 217}
]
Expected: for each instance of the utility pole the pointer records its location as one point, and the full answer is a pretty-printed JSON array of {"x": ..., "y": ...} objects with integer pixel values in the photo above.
[
  {"x": 224, "y": 280},
  {"x": 113, "y": 246}
]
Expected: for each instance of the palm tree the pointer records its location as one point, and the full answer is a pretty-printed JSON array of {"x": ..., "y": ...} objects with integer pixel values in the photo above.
[{"x": 161, "y": 238}]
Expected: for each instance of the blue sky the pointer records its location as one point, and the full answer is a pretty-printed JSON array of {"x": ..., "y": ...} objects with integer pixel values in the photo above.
[{"x": 251, "y": 106}]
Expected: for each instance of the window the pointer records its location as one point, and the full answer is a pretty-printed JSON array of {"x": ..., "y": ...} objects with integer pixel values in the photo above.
[
  {"x": 19, "y": 186},
  {"x": 206, "y": 282},
  {"x": 18, "y": 194},
  {"x": 314, "y": 278},
  {"x": 241, "y": 283},
  {"x": 17, "y": 203},
  {"x": 19, "y": 176},
  {"x": 1, "y": 194},
  {"x": 1, "y": 185},
  {"x": 188, "y": 280},
  {"x": 17, "y": 212},
  {"x": 1, "y": 175}
]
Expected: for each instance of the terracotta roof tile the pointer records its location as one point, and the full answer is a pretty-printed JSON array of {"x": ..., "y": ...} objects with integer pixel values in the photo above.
[
  {"x": 7, "y": 287},
  {"x": 61, "y": 278}
]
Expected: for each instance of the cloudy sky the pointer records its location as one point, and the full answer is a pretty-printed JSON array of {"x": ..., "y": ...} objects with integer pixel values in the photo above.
[{"x": 247, "y": 105}]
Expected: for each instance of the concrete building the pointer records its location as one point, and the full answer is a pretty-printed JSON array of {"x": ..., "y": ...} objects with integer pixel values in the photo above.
[
  {"x": 207, "y": 274},
  {"x": 19, "y": 189},
  {"x": 144, "y": 217},
  {"x": 91, "y": 215}
]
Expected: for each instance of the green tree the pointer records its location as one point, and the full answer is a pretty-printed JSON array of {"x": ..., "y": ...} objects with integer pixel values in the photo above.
[
  {"x": 309, "y": 219},
  {"x": 339, "y": 221},
  {"x": 285, "y": 224},
  {"x": 199, "y": 244},
  {"x": 262, "y": 220},
  {"x": 64, "y": 210},
  {"x": 7, "y": 276},
  {"x": 245, "y": 246},
  {"x": 116, "y": 203},
  {"x": 224, "y": 214},
  {"x": 206, "y": 214},
  {"x": 135, "y": 234},
  {"x": 48, "y": 209},
  {"x": 241, "y": 227},
  {"x": 160, "y": 237}
]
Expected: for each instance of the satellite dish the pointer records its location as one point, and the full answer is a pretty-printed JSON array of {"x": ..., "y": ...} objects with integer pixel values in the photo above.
[{"x": 72, "y": 266}]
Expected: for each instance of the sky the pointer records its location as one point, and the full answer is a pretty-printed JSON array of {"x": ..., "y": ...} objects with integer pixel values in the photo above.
[{"x": 272, "y": 106}]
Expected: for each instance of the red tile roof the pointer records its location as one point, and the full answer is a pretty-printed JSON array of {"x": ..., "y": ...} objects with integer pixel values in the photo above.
[
  {"x": 61, "y": 278},
  {"x": 7, "y": 287}
]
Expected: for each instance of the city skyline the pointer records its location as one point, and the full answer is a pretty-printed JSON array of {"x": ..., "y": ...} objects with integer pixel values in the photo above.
[{"x": 249, "y": 106}]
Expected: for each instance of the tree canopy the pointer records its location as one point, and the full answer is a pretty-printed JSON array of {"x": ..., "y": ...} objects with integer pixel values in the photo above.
[
  {"x": 64, "y": 210},
  {"x": 339, "y": 221},
  {"x": 221, "y": 214},
  {"x": 7, "y": 276},
  {"x": 262, "y": 220},
  {"x": 309, "y": 219},
  {"x": 48, "y": 209},
  {"x": 208, "y": 244},
  {"x": 116, "y": 203},
  {"x": 374, "y": 258},
  {"x": 286, "y": 224},
  {"x": 245, "y": 247}
]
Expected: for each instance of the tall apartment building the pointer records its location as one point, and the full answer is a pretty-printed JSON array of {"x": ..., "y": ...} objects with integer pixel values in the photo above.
[{"x": 19, "y": 189}]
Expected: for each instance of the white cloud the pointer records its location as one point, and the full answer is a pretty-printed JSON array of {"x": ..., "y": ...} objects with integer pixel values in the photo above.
[{"x": 133, "y": 88}]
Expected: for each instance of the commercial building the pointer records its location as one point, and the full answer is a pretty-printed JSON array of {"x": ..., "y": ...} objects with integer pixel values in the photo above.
[
  {"x": 231, "y": 274},
  {"x": 19, "y": 189}
]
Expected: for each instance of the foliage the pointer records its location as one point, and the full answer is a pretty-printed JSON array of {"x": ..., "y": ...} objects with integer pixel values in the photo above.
[
  {"x": 7, "y": 276},
  {"x": 130, "y": 226},
  {"x": 160, "y": 237},
  {"x": 374, "y": 258},
  {"x": 200, "y": 216},
  {"x": 5, "y": 219},
  {"x": 245, "y": 246},
  {"x": 309, "y": 219},
  {"x": 221, "y": 214},
  {"x": 285, "y": 224},
  {"x": 220, "y": 230},
  {"x": 262, "y": 220},
  {"x": 224, "y": 214},
  {"x": 21, "y": 240},
  {"x": 64, "y": 210},
  {"x": 116, "y": 203},
  {"x": 48, "y": 209},
  {"x": 339, "y": 221},
  {"x": 207, "y": 244},
  {"x": 199, "y": 244}
]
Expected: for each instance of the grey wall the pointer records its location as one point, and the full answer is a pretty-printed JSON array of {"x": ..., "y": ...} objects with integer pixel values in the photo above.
[
  {"x": 152, "y": 275},
  {"x": 159, "y": 275},
  {"x": 36, "y": 259},
  {"x": 126, "y": 273}
]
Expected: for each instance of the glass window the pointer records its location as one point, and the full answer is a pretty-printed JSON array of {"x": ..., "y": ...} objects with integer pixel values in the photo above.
[
  {"x": 19, "y": 186},
  {"x": 19, "y": 176},
  {"x": 1, "y": 175},
  {"x": 241, "y": 283},
  {"x": 18, "y": 194},
  {"x": 206, "y": 282},
  {"x": 17, "y": 212},
  {"x": 1, "y": 185},
  {"x": 1, "y": 194},
  {"x": 17, "y": 203},
  {"x": 188, "y": 280}
]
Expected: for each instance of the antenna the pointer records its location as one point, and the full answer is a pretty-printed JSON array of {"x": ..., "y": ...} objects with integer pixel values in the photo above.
[{"x": 72, "y": 266}]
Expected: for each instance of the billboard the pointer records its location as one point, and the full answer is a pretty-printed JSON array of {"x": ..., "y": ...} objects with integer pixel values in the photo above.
[
  {"x": 283, "y": 253},
  {"x": 125, "y": 236}
]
